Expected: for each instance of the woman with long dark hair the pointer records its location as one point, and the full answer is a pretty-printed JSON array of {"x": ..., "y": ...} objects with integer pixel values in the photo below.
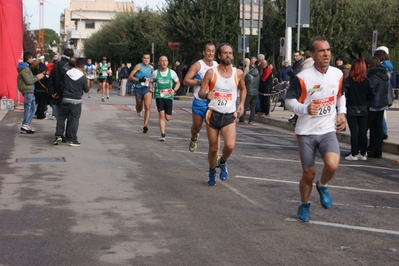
[{"x": 357, "y": 91}]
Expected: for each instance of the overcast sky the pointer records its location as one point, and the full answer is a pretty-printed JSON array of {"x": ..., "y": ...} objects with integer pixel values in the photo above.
[{"x": 54, "y": 8}]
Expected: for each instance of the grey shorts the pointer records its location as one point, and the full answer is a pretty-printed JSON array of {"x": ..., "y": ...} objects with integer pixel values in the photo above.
[{"x": 308, "y": 144}]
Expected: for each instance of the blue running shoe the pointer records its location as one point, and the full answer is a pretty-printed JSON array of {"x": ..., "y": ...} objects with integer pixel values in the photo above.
[
  {"x": 325, "y": 198},
  {"x": 304, "y": 212},
  {"x": 224, "y": 174},
  {"x": 212, "y": 178}
]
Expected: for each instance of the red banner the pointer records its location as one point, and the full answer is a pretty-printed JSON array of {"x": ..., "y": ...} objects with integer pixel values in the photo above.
[{"x": 11, "y": 39}]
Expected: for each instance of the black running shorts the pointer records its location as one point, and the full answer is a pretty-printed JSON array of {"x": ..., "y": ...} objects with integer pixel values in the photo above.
[
  {"x": 164, "y": 105},
  {"x": 218, "y": 120}
]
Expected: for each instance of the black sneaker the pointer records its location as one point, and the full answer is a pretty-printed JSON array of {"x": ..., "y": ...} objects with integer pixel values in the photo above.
[
  {"x": 293, "y": 119},
  {"x": 145, "y": 129},
  {"x": 74, "y": 144},
  {"x": 58, "y": 140},
  {"x": 25, "y": 129},
  {"x": 373, "y": 154}
]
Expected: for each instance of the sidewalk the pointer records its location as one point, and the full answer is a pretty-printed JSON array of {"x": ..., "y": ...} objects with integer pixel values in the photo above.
[{"x": 279, "y": 118}]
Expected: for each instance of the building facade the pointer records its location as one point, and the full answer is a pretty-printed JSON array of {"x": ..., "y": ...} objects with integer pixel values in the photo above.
[{"x": 83, "y": 18}]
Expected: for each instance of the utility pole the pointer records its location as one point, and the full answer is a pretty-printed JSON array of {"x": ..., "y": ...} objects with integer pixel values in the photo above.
[{"x": 41, "y": 27}]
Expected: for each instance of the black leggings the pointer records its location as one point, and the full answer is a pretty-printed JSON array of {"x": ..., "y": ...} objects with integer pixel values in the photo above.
[{"x": 358, "y": 127}]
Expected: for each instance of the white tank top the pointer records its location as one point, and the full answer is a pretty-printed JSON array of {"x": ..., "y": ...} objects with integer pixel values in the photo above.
[
  {"x": 201, "y": 73},
  {"x": 225, "y": 98}
]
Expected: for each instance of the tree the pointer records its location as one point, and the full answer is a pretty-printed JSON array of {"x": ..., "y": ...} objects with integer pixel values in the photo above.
[
  {"x": 127, "y": 36},
  {"x": 273, "y": 28},
  {"x": 372, "y": 15},
  {"x": 30, "y": 43},
  {"x": 332, "y": 19},
  {"x": 347, "y": 24},
  {"x": 194, "y": 22}
]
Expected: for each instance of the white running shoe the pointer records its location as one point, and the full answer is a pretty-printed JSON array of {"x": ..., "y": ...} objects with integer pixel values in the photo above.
[
  {"x": 361, "y": 157},
  {"x": 351, "y": 158}
]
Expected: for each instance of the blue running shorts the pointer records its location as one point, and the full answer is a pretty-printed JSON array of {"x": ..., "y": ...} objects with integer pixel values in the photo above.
[
  {"x": 199, "y": 107},
  {"x": 140, "y": 92}
]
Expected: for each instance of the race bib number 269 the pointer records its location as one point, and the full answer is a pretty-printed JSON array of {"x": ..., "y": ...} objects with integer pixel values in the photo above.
[{"x": 325, "y": 105}]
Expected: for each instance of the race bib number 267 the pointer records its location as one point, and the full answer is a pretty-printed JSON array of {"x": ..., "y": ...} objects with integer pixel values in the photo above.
[{"x": 223, "y": 99}]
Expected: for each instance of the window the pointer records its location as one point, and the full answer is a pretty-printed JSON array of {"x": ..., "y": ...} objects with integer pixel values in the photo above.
[{"x": 89, "y": 25}]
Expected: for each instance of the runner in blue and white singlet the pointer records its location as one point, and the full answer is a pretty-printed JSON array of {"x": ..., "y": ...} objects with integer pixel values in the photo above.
[
  {"x": 89, "y": 72},
  {"x": 194, "y": 78},
  {"x": 220, "y": 87}
]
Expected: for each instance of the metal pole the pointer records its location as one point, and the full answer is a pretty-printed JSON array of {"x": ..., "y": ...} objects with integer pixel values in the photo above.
[
  {"x": 259, "y": 21},
  {"x": 252, "y": 25},
  {"x": 80, "y": 33},
  {"x": 153, "y": 54},
  {"x": 288, "y": 43},
  {"x": 243, "y": 27},
  {"x": 299, "y": 26}
]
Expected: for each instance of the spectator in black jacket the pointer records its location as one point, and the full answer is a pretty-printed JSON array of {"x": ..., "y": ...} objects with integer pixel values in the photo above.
[
  {"x": 357, "y": 92},
  {"x": 75, "y": 84},
  {"x": 379, "y": 83},
  {"x": 251, "y": 79},
  {"x": 57, "y": 76},
  {"x": 123, "y": 79},
  {"x": 295, "y": 69}
]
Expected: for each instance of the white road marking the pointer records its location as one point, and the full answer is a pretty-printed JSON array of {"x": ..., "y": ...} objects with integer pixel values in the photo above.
[
  {"x": 295, "y": 161},
  {"x": 345, "y": 226},
  {"x": 331, "y": 186},
  {"x": 263, "y": 134},
  {"x": 188, "y": 110}
]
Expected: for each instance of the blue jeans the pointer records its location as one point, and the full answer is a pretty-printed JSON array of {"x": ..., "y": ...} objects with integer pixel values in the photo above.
[
  {"x": 29, "y": 108},
  {"x": 54, "y": 110}
]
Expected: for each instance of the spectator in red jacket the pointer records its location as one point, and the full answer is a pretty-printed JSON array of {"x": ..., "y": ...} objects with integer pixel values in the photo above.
[{"x": 265, "y": 87}]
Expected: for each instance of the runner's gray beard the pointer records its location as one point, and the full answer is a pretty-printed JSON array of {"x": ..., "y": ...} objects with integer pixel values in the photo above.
[{"x": 226, "y": 61}]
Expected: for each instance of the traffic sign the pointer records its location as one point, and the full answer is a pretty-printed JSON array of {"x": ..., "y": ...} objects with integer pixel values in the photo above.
[
  {"x": 282, "y": 46},
  {"x": 173, "y": 45}
]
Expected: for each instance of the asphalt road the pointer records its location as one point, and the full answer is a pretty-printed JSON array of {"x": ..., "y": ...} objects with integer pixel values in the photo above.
[{"x": 124, "y": 198}]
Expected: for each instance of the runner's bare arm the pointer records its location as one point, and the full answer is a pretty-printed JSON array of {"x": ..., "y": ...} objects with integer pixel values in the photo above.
[
  {"x": 188, "y": 79},
  {"x": 131, "y": 75},
  {"x": 177, "y": 86},
  {"x": 206, "y": 81}
]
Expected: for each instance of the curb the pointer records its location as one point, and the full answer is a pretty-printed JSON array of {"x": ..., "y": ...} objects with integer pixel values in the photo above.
[{"x": 387, "y": 146}]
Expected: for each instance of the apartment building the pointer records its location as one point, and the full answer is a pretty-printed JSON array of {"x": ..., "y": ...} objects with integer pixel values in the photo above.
[{"x": 84, "y": 17}]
